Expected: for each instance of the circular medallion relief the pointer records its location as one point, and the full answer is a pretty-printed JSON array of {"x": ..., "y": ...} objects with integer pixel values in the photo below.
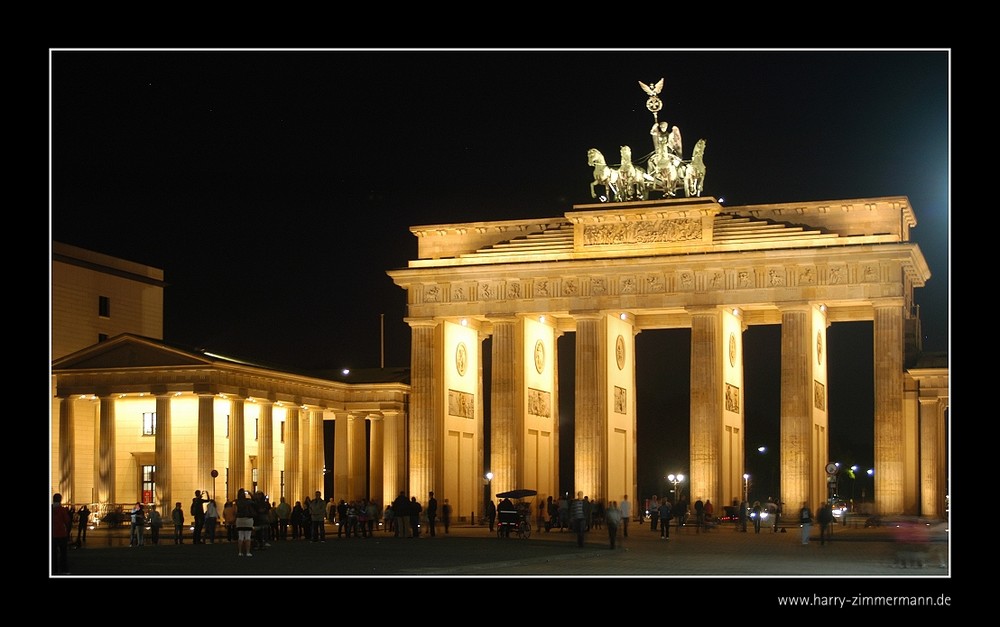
[
  {"x": 461, "y": 359},
  {"x": 620, "y": 352},
  {"x": 732, "y": 349},
  {"x": 819, "y": 349},
  {"x": 539, "y": 356}
]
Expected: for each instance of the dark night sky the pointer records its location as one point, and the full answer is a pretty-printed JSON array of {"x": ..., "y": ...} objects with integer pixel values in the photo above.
[{"x": 276, "y": 188}]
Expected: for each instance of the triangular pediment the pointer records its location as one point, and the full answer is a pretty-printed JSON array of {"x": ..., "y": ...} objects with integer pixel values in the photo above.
[{"x": 128, "y": 351}]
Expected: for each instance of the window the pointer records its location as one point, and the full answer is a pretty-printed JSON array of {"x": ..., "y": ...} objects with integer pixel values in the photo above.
[
  {"x": 104, "y": 306},
  {"x": 148, "y": 483},
  {"x": 102, "y": 337},
  {"x": 256, "y": 424},
  {"x": 227, "y": 426},
  {"x": 149, "y": 423},
  {"x": 281, "y": 480},
  {"x": 282, "y": 431}
]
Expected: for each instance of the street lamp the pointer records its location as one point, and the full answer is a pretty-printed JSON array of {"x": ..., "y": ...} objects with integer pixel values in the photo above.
[
  {"x": 488, "y": 487},
  {"x": 675, "y": 479},
  {"x": 746, "y": 487}
]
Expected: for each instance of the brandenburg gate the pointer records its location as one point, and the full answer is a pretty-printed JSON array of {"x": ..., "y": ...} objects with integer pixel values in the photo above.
[{"x": 608, "y": 271}]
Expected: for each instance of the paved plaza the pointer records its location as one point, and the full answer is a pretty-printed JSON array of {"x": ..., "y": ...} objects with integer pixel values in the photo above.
[{"x": 472, "y": 551}]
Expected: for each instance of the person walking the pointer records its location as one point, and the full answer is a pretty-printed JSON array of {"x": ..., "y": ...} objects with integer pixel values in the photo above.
[
  {"x": 446, "y": 515},
  {"x": 432, "y": 508},
  {"x": 155, "y": 524},
  {"x": 83, "y": 519},
  {"x": 654, "y": 512},
  {"x": 198, "y": 516},
  {"x": 612, "y": 518},
  {"x": 62, "y": 524},
  {"x": 699, "y": 515},
  {"x": 757, "y": 511},
  {"x": 177, "y": 517},
  {"x": 401, "y": 508},
  {"x": 805, "y": 520},
  {"x": 625, "y": 510},
  {"x": 825, "y": 517}
]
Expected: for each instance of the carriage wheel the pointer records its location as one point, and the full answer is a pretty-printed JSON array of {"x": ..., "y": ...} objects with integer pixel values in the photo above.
[{"x": 524, "y": 529}]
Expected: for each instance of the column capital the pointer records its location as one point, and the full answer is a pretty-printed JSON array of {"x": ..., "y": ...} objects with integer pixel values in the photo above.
[
  {"x": 421, "y": 322},
  {"x": 888, "y": 302}
]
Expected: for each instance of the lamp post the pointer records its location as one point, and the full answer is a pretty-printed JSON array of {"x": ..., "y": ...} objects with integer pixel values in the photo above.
[
  {"x": 215, "y": 474},
  {"x": 675, "y": 479},
  {"x": 488, "y": 493},
  {"x": 746, "y": 487}
]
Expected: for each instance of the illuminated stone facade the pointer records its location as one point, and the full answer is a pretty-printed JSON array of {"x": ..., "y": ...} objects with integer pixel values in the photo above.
[{"x": 606, "y": 272}]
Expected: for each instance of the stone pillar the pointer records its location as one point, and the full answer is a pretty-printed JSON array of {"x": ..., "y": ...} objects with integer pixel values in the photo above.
[
  {"x": 305, "y": 456},
  {"x": 67, "y": 449},
  {"x": 424, "y": 346},
  {"x": 316, "y": 457},
  {"x": 798, "y": 468},
  {"x": 394, "y": 478},
  {"x": 890, "y": 459},
  {"x": 358, "y": 455},
  {"x": 265, "y": 448},
  {"x": 106, "y": 452},
  {"x": 376, "y": 462},
  {"x": 706, "y": 406},
  {"x": 293, "y": 461},
  {"x": 206, "y": 442},
  {"x": 556, "y": 478},
  {"x": 164, "y": 454},
  {"x": 504, "y": 450},
  {"x": 591, "y": 405},
  {"x": 342, "y": 488},
  {"x": 929, "y": 462},
  {"x": 237, "y": 442}
]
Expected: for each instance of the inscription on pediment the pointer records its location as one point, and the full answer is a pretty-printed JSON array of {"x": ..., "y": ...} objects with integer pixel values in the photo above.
[{"x": 643, "y": 232}]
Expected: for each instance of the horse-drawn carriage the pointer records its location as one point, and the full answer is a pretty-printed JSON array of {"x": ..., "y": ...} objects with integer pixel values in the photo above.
[{"x": 514, "y": 519}]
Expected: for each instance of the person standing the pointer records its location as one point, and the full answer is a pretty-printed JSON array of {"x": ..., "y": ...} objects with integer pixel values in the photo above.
[
  {"x": 491, "y": 514},
  {"x": 155, "y": 523},
  {"x": 245, "y": 511},
  {"x": 400, "y": 508},
  {"x": 211, "y": 520},
  {"x": 229, "y": 519},
  {"x": 83, "y": 518},
  {"x": 284, "y": 511},
  {"x": 699, "y": 515},
  {"x": 198, "y": 515},
  {"x": 432, "y": 508},
  {"x": 446, "y": 515},
  {"x": 137, "y": 535},
  {"x": 540, "y": 516},
  {"x": 757, "y": 511},
  {"x": 415, "y": 509},
  {"x": 654, "y": 512},
  {"x": 579, "y": 522},
  {"x": 825, "y": 518},
  {"x": 805, "y": 520},
  {"x": 665, "y": 515},
  {"x": 709, "y": 512},
  {"x": 62, "y": 525},
  {"x": 317, "y": 514},
  {"x": 613, "y": 518},
  {"x": 177, "y": 517},
  {"x": 625, "y": 510}
]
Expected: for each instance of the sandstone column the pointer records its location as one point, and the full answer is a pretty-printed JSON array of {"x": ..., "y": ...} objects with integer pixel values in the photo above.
[
  {"x": 504, "y": 453},
  {"x": 237, "y": 445},
  {"x": 591, "y": 405},
  {"x": 342, "y": 487},
  {"x": 163, "y": 457},
  {"x": 706, "y": 406},
  {"x": 206, "y": 442},
  {"x": 316, "y": 457},
  {"x": 798, "y": 468},
  {"x": 67, "y": 449},
  {"x": 377, "y": 460},
  {"x": 358, "y": 455},
  {"x": 265, "y": 448},
  {"x": 106, "y": 452},
  {"x": 305, "y": 456},
  {"x": 293, "y": 461},
  {"x": 889, "y": 440},
  {"x": 424, "y": 347}
]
